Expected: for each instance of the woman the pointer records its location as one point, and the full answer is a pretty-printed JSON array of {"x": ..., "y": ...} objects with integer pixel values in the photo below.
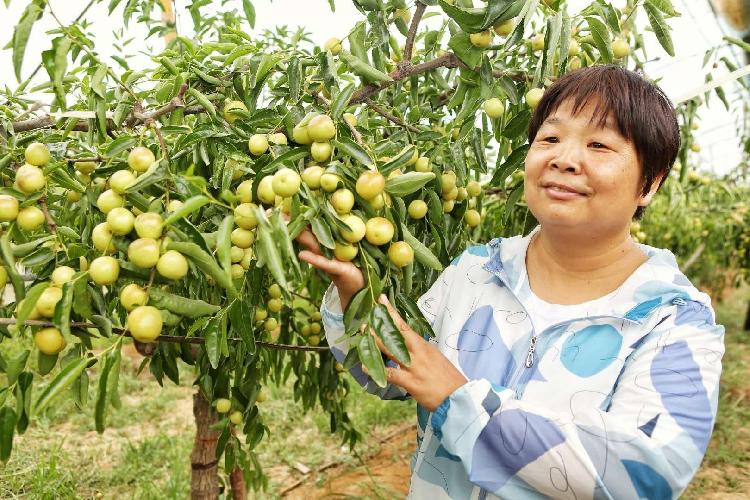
[{"x": 571, "y": 362}]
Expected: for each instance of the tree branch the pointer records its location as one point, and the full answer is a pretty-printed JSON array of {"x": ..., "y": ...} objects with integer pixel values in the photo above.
[
  {"x": 382, "y": 112},
  {"x": 175, "y": 339},
  {"x": 137, "y": 117},
  {"x": 51, "y": 224},
  {"x": 409, "y": 47}
]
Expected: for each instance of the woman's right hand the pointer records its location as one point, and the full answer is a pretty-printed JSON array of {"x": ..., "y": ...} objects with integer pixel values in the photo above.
[{"x": 347, "y": 277}]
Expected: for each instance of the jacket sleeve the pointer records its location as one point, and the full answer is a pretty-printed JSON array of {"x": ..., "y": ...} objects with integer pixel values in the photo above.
[
  {"x": 333, "y": 324},
  {"x": 646, "y": 442}
]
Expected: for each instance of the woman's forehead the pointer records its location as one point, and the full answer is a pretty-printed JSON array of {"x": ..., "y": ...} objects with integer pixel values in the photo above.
[{"x": 591, "y": 113}]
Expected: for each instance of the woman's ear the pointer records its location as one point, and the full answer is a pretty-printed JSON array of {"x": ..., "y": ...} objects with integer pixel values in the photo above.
[{"x": 646, "y": 198}]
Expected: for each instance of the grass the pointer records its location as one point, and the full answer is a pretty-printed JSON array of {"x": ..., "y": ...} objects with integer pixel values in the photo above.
[
  {"x": 726, "y": 467},
  {"x": 145, "y": 449},
  {"x": 144, "y": 452}
]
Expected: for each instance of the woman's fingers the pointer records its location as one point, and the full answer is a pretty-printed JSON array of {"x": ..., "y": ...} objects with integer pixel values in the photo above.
[
  {"x": 326, "y": 265},
  {"x": 410, "y": 336},
  {"x": 308, "y": 240},
  {"x": 383, "y": 348}
]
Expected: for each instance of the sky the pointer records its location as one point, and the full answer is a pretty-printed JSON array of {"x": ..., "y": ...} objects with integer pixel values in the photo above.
[{"x": 694, "y": 32}]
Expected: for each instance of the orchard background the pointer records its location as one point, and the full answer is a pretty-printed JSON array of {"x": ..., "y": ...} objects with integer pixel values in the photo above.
[{"x": 149, "y": 206}]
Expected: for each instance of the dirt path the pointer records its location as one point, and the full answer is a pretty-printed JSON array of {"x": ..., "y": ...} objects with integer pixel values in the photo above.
[{"x": 385, "y": 475}]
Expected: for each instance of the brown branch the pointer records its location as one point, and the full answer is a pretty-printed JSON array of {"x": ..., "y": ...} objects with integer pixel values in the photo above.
[
  {"x": 51, "y": 224},
  {"x": 447, "y": 61},
  {"x": 390, "y": 117},
  {"x": 409, "y": 47},
  {"x": 93, "y": 158},
  {"x": 137, "y": 117},
  {"x": 175, "y": 339}
]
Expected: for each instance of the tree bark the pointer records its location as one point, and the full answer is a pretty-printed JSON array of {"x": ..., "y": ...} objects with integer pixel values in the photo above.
[
  {"x": 237, "y": 480},
  {"x": 204, "y": 484}
]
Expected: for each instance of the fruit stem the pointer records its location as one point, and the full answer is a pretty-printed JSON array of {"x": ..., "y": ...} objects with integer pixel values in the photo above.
[
  {"x": 51, "y": 224},
  {"x": 392, "y": 118}
]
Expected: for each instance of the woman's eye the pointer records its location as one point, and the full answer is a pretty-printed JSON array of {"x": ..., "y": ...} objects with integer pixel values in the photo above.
[
  {"x": 550, "y": 139},
  {"x": 598, "y": 145}
]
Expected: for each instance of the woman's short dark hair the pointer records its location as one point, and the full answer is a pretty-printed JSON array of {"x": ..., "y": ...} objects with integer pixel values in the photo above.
[{"x": 644, "y": 115}]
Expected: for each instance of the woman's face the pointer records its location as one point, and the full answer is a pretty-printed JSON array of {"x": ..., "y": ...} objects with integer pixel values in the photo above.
[{"x": 580, "y": 175}]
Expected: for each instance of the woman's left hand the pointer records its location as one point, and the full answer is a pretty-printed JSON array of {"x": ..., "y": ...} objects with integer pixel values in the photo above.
[{"x": 431, "y": 377}]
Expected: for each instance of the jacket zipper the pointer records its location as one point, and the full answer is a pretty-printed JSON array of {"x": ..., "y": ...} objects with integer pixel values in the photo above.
[{"x": 530, "y": 354}]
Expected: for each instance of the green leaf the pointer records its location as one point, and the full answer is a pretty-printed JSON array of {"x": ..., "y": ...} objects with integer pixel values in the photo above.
[
  {"x": 322, "y": 233},
  {"x": 81, "y": 299},
  {"x": 103, "y": 324},
  {"x": 122, "y": 143},
  {"x": 29, "y": 303},
  {"x": 403, "y": 157},
  {"x": 10, "y": 266},
  {"x": 21, "y": 34},
  {"x": 551, "y": 43},
  {"x": 423, "y": 254},
  {"x": 284, "y": 241},
  {"x": 665, "y": 6},
  {"x": 189, "y": 207},
  {"x": 64, "y": 378},
  {"x": 7, "y": 427},
  {"x": 408, "y": 183},
  {"x": 465, "y": 50},
  {"x": 469, "y": 19},
  {"x": 267, "y": 63},
  {"x": 62, "y": 308},
  {"x": 353, "y": 150},
  {"x": 211, "y": 334},
  {"x": 249, "y": 9},
  {"x": 392, "y": 338},
  {"x": 660, "y": 27},
  {"x": 46, "y": 363},
  {"x": 517, "y": 125},
  {"x": 191, "y": 308},
  {"x": 357, "y": 310},
  {"x": 600, "y": 35},
  {"x": 341, "y": 101},
  {"x": 371, "y": 358},
  {"x": 477, "y": 145},
  {"x": 266, "y": 249},
  {"x": 514, "y": 160},
  {"x": 97, "y": 81},
  {"x": 23, "y": 400},
  {"x": 101, "y": 395},
  {"x": 224, "y": 244},
  {"x": 15, "y": 366},
  {"x": 114, "y": 379}
]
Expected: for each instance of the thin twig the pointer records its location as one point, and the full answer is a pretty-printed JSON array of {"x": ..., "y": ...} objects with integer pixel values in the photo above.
[
  {"x": 398, "y": 121},
  {"x": 133, "y": 120},
  {"x": 409, "y": 47},
  {"x": 92, "y": 55},
  {"x": 93, "y": 158},
  {"x": 77, "y": 19},
  {"x": 51, "y": 224},
  {"x": 175, "y": 339}
]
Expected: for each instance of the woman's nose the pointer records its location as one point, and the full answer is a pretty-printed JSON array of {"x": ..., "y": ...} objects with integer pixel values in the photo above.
[{"x": 568, "y": 159}]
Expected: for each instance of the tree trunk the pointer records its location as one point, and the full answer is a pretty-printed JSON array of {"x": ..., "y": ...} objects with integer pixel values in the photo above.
[
  {"x": 237, "y": 480},
  {"x": 204, "y": 484}
]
